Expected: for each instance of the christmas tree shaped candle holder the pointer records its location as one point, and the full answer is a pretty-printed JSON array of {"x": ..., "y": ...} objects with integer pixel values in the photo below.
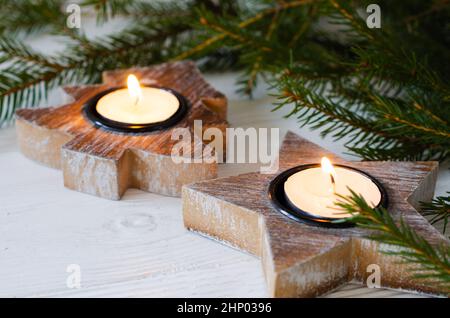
[
  {"x": 299, "y": 257},
  {"x": 104, "y": 151}
]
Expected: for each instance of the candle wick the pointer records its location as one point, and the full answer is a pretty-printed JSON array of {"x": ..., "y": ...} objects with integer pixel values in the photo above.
[
  {"x": 136, "y": 102},
  {"x": 333, "y": 183}
]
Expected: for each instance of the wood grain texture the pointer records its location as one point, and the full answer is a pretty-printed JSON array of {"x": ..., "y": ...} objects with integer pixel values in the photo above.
[
  {"x": 302, "y": 260},
  {"x": 105, "y": 163},
  {"x": 135, "y": 247}
]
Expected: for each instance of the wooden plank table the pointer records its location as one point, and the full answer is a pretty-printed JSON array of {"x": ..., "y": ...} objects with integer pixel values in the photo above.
[{"x": 136, "y": 247}]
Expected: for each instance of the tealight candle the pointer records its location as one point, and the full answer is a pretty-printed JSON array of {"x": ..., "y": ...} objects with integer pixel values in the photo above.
[
  {"x": 316, "y": 190},
  {"x": 309, "y": 192},
  {"x": 138, "y": 105},
  {"x": 136, "y": 108}
]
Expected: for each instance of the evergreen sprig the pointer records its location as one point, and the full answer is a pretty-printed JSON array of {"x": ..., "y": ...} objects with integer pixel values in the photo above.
[
  {"x": 26, "y": 76},
  {"x": 378, "y": 89},
  {"x": 31, "y": 16},
  {"x": 437, "y": 210},
  {"x": 384, "y": 91},
  {"x": 429, "y": 262}
]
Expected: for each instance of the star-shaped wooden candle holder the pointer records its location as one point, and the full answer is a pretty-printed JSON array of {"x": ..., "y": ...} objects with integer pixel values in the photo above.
[
  {"x": 106, "y": 163},
  {"x": 299, "y": 259}
]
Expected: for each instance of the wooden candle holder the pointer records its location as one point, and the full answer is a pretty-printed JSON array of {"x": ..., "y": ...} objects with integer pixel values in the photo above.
[
  {"x": 106, "y": 163},
  {"x": 301, "y": 260}
]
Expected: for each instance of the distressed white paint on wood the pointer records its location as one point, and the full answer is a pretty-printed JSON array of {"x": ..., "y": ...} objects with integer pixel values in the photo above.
[
  {"x": 106, "y": 164},
  {"x": 136, "y": 247},
  {"x": 301, "y": 260}
]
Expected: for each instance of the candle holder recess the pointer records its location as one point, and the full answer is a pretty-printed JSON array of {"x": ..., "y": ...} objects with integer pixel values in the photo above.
[
  {"x": 301, "y": 259},
  {"x": 105, "y": 158},
  {"x": 281, "y": 202},
  {"x": 90, "y": 111}
]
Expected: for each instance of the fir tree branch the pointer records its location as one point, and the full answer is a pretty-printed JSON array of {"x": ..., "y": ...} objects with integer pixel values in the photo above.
[
  {"x": 28, "y": 76},
  {"x": 107, "y": 9},
  {"x": 256, "y": 67},
  {"x": 234, "y": 34},
  {"x": 373, "y": 132},
  {"x": 437, "y": 6},
  {"x": 444, "y": 134},
  {"x": 156, "y": 9},
  {"x": 437, "y": 210},
  {"x": 384, "y": 90},
  {"x": 31, "y": 16},
  {"x": 257, "y": 17},
  {"x": 431, "y": 263}
]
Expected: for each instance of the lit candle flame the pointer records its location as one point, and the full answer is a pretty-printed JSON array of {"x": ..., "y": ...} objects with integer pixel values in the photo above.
[
  {"x": 328, "y": 168},
  {"x": 134, "y": 89}
]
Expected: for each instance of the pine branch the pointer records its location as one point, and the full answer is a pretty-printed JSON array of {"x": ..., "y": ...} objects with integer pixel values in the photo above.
[
  {"x": 249, "y": 21},
  {"x": 384, "y": 91},
  {"x": 255, "y": 68},
  {"x": 237, "y": 34},
  {"x": 109, "y": 9},
  {"x": 136, "y": 9},
  {"x": 27, "y": 76},
  {"x": 312, "y": 108},
  {"x": 437, "y": 6},
  {"x": 431, "y": 263},
  {"x": 385, "y": 86},
  {"x": 31, "y": 16},
  {"x": 368, "y": 133},
  {"x": 438, "y": 210}
]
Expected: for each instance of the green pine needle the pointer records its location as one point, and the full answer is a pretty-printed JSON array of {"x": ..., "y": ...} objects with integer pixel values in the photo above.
[
  {"x": 437, "y": 210},
  {"x": 384, "y": 92},
  {"x": 431, "y": 262}
]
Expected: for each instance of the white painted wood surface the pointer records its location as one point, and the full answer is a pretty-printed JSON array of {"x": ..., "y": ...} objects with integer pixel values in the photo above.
[{"x": 136, "y": 247}]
